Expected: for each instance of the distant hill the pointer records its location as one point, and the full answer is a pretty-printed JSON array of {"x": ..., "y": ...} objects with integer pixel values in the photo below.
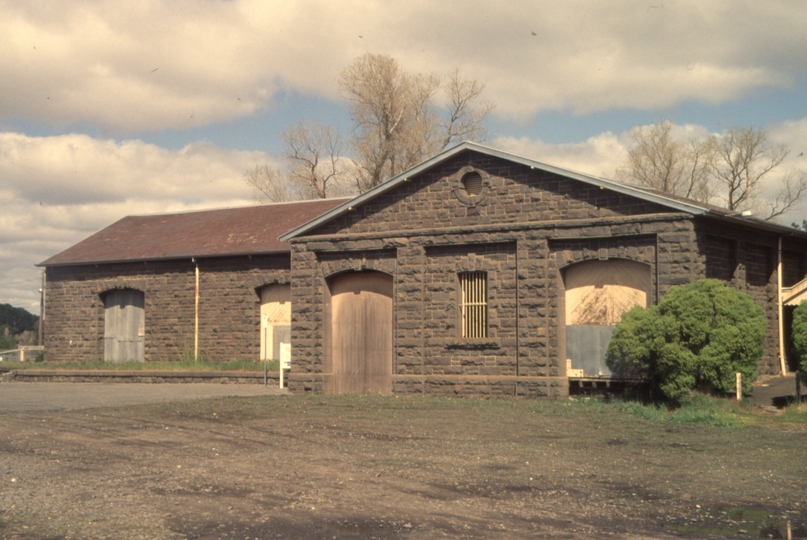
[{"x": 18, "y": 319}]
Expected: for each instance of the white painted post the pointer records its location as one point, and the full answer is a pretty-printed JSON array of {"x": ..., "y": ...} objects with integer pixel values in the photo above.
[
  {"x": 739, "y": 386},
  {"x": 285, "y": 360}
]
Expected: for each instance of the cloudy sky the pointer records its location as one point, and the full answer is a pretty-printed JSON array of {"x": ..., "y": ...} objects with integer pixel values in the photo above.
[{"x": 112, "y": 107}]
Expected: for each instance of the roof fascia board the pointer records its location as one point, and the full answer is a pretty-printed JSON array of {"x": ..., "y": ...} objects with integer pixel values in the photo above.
[
  {"x": 168, "y": 258},
  {"x": 451, "y": 152},
  {"x": 775, "y": 228}
]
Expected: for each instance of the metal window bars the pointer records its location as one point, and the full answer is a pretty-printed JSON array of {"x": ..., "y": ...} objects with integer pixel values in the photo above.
[{"x": 474, "y": 304}]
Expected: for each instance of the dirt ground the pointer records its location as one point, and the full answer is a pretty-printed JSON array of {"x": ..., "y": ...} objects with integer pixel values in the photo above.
[{"x": 328, "y": 467}]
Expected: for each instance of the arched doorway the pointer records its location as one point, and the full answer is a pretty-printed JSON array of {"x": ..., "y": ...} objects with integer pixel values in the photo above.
[
  {"x": 361, "y": 333},
  {"x": 124, "y": 325},
  {"x": 597, "y": 294}
]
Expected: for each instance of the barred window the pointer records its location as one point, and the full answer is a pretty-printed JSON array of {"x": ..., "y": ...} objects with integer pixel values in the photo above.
[
  {"x": 474, "y": 287},
  {"x": 472, "y": 182}
]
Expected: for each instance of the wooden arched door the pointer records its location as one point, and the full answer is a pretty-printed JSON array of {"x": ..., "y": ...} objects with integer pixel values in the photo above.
[{"x": 361, "y": 333}]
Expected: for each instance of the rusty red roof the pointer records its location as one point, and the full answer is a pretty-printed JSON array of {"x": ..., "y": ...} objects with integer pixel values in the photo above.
[{"x": 207, "y": 233}]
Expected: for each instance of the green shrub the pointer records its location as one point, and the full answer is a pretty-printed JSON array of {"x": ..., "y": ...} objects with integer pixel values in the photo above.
[
  {"x": 800, "y": 337},
  {"x": 696, "y": 338}
]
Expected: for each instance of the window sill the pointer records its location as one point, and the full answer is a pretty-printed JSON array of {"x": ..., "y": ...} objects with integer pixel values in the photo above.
[{"x": 470, "y": 344}]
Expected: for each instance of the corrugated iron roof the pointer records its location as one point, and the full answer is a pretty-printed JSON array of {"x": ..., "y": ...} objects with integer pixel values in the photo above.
[{"x": 206, "y": 233}]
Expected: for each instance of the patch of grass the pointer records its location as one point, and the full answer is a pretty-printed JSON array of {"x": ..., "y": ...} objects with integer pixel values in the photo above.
[
  {"x": 795, "y": 414},
  {"x": 695, "y": 409},
  {"x": 702, "y": 409},
  {"x": 648, "y": 412},
  {"x": 182, "y": 364}
]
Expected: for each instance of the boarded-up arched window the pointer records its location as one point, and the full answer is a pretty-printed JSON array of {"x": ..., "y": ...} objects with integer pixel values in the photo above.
[
  {"x": 275, "y": 320},
  {"x": 597, "y": 294},
  {"x": 124, "y": 325}
]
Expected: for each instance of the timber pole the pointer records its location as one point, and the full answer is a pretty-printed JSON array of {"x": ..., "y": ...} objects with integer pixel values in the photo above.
[
  {"x": 196, "y": 315},
  {"x": 782, "y": 363},
  {"x": 40, "y": 340}
]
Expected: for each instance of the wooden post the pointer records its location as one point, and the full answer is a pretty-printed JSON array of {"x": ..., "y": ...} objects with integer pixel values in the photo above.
[
  {"x": 40, "y": 335},
  {"x": 782, "y": 363},
  {"x": 739, "y": 386},
  {"x": 196, "y": 314}
]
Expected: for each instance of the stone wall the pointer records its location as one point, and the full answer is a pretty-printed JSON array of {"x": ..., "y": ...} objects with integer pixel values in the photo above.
[
  {"x": 524, "y": 350},
  {"x": 793, "y": 267},
  {"x": 524, "y": 227},
  {"x": 229, "y": 306},
  {"x": 514, "y": 193}
]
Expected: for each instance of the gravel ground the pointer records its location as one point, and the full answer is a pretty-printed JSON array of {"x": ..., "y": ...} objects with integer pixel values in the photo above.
[
  {"x": 326, "y": 467},
  {"x": 19, "y": 397}
]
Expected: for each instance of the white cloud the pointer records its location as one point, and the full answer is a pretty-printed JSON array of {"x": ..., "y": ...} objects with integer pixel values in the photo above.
[
  {"x": 792, "y": 134},
  {"x": 59, "y": 190},
  {"x": 156, "y": 64},
  {"x": 78, "y": 169},
  {"x": 597, "y": 156}
]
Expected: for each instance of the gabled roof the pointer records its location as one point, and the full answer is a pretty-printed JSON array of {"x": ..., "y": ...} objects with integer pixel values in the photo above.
[
  {"x": 679, "y": 204},
  {"x": 207, "y": 233}
]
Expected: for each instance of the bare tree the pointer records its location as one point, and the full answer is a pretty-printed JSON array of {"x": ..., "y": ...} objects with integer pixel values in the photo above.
[
  {"x": 792, "y": 190},
  {"x": 743, "y": 158},
  {"x": 314, "y": 154},
  {"x": 314, "y": 167},
  {"x": 398, "y": 122},
  {"x": 465, "y": 111},
  {"x": 271, "y": 185},
  {"x": 664, "y": 164},
  {"x": 732, "y": 169}
]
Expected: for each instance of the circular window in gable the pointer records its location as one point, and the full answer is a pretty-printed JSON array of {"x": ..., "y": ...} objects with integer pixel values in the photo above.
[
  {"x": 472, "y": 182},
  {"x": 470, "y": 185}
]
